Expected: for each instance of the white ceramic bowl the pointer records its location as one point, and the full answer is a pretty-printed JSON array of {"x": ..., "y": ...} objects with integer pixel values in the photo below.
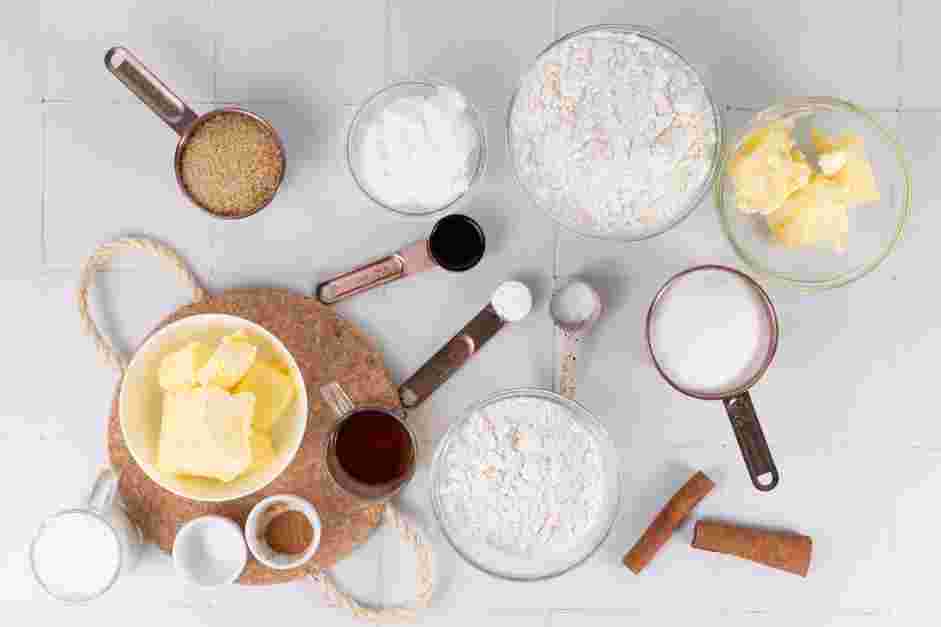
[
  {"x": 141, "y": 400},
  {"x": 209, "y": 551},
  {"x": 255, "y": 528}
]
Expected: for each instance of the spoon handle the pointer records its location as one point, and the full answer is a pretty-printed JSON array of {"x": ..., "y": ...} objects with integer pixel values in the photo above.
[
  {"x": 152, "y": 91},
  {"x": 410, "y": 260},
  {"x": 568, "y": 358},
  {"x": 451, "y": 357}
]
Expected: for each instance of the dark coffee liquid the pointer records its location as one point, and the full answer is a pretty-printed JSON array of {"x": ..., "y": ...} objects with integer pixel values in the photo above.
[
  {"x": 457, "y": 243},
  {"x": 374, "y": 448}
]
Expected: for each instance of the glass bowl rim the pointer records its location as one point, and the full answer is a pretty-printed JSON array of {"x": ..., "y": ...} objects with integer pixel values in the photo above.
[
  {"x": 479, "y": 129},
  {"x": 719, "y": 123},
  {"x": 811, "y": 104},
  {"x": 583, "y": 415}
]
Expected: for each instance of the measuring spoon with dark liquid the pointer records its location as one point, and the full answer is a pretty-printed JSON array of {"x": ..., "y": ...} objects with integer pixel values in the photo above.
[{"x": 456, "y": 243}]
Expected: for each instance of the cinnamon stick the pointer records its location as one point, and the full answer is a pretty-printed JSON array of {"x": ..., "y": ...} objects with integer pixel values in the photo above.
[
  {"x": 667, "y": 521},
  {"x": 778, "y": 549}
]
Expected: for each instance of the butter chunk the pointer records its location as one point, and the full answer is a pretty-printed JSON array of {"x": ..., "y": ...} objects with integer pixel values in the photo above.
[
  {"x": 206, "y": 432},
  {"x": 273, "y": 389},
  {"x": 815, "y": 214},
  {"x": 229, "y": 363},
  {"x": 179, "y": 369},
  {"x": 768, "y": 168},
  {"x": 855, "y": 176},
  {"x": 831, "y": 162},
  {"x": 262, "y": 451}
]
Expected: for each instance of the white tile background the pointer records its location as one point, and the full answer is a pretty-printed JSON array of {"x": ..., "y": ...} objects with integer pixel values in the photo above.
[{"x": 848, "y": 404}]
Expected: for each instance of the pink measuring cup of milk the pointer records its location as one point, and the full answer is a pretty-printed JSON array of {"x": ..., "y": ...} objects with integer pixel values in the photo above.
[{"x": 712, "y": 332}]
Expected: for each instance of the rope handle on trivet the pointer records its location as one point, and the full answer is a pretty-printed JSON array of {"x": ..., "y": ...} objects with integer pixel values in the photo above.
[
  {"x": 424, "y": 577},
  {"x": 100, "y": 260}
]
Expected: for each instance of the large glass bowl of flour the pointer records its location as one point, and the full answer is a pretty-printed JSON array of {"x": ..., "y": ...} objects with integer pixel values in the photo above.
[
  {"x": 526, "y": 486},
  {"x": 614, "y": 134}
]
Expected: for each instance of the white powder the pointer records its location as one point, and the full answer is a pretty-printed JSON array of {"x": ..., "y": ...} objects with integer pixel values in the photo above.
[
  {"x": 613, "y": 134},
  {"x": 76, "y": 556},
  {"x": 524, "y": 477},
  {"x": 512, "y": 300},
  {"x": 710, "y": 332},
  {"x": 419, "y": 154},
  {"x": 574, "y": 303}
]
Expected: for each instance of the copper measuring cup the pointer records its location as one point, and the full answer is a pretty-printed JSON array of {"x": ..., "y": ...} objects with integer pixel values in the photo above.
[
  {"x": 180, "y": 117},
  {"x": 346, "y": 410},
  {"x": 737, "y": 401}
]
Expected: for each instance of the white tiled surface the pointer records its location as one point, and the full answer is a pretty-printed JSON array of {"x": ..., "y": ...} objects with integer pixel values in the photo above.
[{"x": 848, "y": 404}]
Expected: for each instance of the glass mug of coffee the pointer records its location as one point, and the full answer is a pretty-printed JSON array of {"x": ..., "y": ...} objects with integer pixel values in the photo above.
[
  {"x": 78, "y": 554},
  {"x": 712, "y": 333},
  {"x": 370, "y": 452}
]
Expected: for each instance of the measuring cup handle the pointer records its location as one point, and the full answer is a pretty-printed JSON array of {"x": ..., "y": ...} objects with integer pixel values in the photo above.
[
  {"x": 103, "y": 491},
  {"x": 151, "y": 90},
  {"x": 338, "y": 400},
  {"x": 751, "y": 441}
]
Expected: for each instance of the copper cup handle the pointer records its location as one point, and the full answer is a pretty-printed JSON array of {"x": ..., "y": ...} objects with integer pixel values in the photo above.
[
  {"x": 149, "y": 89},
  {"x": 338, "y": 400},
  {"x": 751, "y": 441}
]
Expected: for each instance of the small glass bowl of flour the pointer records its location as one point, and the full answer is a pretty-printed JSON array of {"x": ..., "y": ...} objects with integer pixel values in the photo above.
[
  {"x": 416, "y": 148},
  {"x": 613, "y": 133},
  {"x": 526, "y": 486}
]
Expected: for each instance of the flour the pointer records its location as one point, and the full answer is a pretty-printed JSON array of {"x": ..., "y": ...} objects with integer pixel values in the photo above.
[
  {"x": 710, "y": 331},
  {"x": 524, "y": 477},
  {"x": 613, "y": 134},
  {"x": 76, "y": 556}
]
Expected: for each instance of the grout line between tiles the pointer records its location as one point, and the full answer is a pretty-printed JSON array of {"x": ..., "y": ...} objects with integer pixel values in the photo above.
[
  {"x": 43, "y": 123},
  {"x": 900, "y": 56},
  {"x": 214, "y": 54},
  {"x": 554, "y": 8},
  {"x": 355, "y": 105},
  {"x": 387, "y": 43}
]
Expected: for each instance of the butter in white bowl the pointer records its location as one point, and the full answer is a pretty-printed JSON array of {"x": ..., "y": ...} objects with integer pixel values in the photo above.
[
  {"x": 180, "y": 369},
  {"x": 206, "y": 441},
  {"x": 206, "y": 432},
  {"x": 232, "y": 359}
]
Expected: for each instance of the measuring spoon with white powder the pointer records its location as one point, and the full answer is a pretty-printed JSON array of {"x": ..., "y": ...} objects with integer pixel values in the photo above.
[
  {"x": 575, "y": 308},
  {"x": 511, "y": 302}
]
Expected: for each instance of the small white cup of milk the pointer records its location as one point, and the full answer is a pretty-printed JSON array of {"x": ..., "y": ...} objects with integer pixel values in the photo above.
[{"x": 79, "y": 554}]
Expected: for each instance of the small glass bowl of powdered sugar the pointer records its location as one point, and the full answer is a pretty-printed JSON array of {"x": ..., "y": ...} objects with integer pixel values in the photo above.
[
  {"x": 416, "y": 148},
  {"x": 614, "y": 134},
  {"x": 527, "y": 485}
]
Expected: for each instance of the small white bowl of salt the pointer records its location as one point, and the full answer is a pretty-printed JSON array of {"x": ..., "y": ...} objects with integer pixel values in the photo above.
[{"x": 210, "y": 551}]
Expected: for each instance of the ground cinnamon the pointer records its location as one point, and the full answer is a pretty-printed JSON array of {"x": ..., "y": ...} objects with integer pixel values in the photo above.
[
  {"x": 779, "y": 549},
  {"x": 289, "y": 532},
  {"x": 667, "y": 521}
]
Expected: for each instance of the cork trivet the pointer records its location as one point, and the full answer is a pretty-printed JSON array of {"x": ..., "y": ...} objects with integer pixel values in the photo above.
[{"x": 326, "y": 348}]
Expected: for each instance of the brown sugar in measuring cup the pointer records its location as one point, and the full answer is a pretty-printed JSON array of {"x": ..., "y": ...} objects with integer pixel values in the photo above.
[{"x": 228, "y": 162}]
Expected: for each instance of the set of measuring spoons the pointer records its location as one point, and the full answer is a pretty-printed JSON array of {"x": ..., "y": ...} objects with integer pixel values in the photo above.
[{"x": 457, "y": 244}]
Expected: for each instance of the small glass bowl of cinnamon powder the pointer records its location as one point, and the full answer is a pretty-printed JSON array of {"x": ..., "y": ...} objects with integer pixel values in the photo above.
[
  {"x": 231, "y": 163},
  {"x": 283, "y": 531}
]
